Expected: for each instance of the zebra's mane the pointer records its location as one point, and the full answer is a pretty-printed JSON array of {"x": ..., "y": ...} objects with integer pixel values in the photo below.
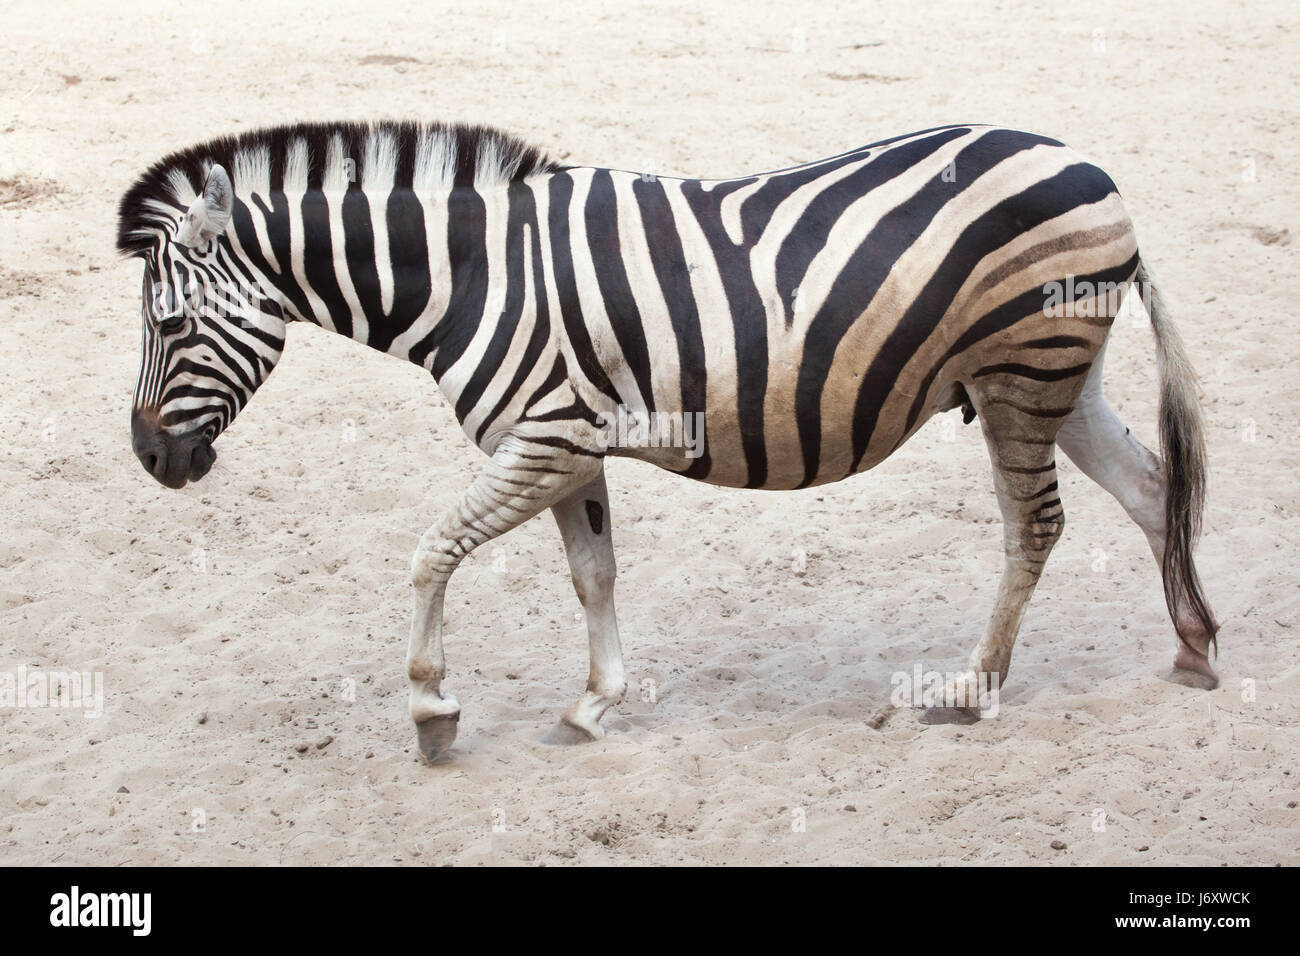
[{"x": 379, "y": 156}]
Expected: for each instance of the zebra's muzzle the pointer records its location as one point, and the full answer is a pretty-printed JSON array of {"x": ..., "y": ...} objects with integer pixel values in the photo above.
[{"x": 173, "y": 460}]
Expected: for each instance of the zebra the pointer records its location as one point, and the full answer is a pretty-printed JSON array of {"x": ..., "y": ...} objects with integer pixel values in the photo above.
[{"x": 815, "y": 316}]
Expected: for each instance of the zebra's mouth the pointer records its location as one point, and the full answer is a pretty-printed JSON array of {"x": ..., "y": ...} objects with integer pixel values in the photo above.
[
  {"x": 173, "y": 460},
  {"x": 201, "y": 459},
  {"x": 175, "y": 469}
]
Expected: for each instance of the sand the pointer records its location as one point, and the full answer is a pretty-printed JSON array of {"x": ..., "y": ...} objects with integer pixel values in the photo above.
[{"x": 250, "y": 630}]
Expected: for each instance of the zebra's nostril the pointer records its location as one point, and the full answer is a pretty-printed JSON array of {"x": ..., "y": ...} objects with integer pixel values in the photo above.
[{"x": 150, "y": 463}]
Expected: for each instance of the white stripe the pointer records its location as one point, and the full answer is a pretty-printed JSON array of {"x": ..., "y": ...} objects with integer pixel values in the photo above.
[
  {"x": 730, "y": 209},
  {"x": 295, "y": 168},
  {"x": 378, "y": 172},
  {"x": 435, "y": 161}
]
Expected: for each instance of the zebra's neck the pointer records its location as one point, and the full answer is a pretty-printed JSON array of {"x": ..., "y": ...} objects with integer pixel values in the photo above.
[{"x": 412, "y": 273}]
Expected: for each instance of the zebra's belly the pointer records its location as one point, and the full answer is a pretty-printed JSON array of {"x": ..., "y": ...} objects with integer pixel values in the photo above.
[{"x": 712, "y": 446}]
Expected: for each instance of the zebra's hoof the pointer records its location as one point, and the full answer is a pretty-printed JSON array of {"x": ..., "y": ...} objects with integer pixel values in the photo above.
[
  {"x": 565, "y": 734},
  {"x": 435, "y": 735},
  {"x": 950, "y": 715},
  {"x": 1197, "y": 680}
]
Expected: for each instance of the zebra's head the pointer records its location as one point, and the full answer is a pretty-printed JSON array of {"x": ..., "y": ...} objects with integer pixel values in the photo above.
[{"x": 211, "y": 332}]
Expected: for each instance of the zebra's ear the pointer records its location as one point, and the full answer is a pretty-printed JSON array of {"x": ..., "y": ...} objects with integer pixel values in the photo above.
[{"x": 208, "y": 216}]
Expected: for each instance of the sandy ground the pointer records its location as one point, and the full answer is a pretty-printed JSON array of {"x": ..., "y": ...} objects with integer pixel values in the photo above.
[{"x": 242, "y": 622}]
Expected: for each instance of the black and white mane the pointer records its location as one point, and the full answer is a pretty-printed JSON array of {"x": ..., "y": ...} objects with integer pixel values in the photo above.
[{"x": 316, "y": 155}]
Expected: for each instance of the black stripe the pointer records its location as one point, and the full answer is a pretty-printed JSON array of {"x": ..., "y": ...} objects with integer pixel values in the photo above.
[
  {"x": 576, "y": 409},
  {"x": 359, "y": 253},
  {"x": 554, "y": 441},
  {"x": 809, "y": 235},
  {"x": 1018, "y": 470},
  {"x": 200, "y": 370},
  {"x": 505, "y": 324},
  {"x": 466, "y": 155},
  {"x": 276, "y": 217},
  {"x": 1029, "y": 371},
  {"x": 228, "y": 347},
  {"x": 277, "y": 154},
  {"x": 672, "y": 271},
  {"x": 317, "y": 138},
  {"x": 407, "y": 137},
  {"x": 856, "y": 150},
  {"x": 318, "y": 259},
  {"x": 244, "y": 283},
  {"x": 181, "y": 416},
  {"x": 408, "y": 256},
  {"x": 1057, "y": 342},
  {"x": 758, "y": 208},
  {"x": 601, "y": 215},
  {"x": 1027, "y": 409},
  {"x": 566, "y": 286},
  {"x": 556, "y": 377},
  {"x": 1037, "y": 494},
  {"x": 467, "y": 253},
  {"x": 748, "y": 317},
  {"x": 523, "y": 211}
]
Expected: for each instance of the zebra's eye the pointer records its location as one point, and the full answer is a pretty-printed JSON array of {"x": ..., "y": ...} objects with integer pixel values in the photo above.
[{"x": 172, "y": 324}]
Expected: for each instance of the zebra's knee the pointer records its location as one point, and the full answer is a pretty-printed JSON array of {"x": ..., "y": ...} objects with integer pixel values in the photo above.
[
  {"x": 431, "y": 564},
  {"x": 422, "y": 569},
  {"x": 1045, "y": 529}
]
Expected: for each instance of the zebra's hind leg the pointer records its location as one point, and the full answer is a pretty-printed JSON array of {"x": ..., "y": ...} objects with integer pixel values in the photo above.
[
  {"x": 1107, "y": 452},
  {"x": 1019, "y": 435},
  {"x": 521, "y": 480},
  {"x": 584, "y": 522}
]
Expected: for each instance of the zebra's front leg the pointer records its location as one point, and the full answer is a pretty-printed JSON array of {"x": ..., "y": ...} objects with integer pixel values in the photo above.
[
  {"x": 519, "y": 482},
  {"x": 584, "y": 523}
]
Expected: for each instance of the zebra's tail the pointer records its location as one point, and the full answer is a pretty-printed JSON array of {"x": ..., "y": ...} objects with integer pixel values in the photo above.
[{"x": 1182, "y": 449}]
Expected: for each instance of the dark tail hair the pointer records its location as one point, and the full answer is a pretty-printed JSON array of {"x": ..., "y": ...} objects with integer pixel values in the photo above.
[{"x": 1182, "y": 447}]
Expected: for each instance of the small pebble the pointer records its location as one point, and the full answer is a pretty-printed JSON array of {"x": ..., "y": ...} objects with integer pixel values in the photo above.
[
  {"x": 324, "y": 742},
  {"x": 850, "y": 808},
  {"x": 1058, "y": 844}
]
